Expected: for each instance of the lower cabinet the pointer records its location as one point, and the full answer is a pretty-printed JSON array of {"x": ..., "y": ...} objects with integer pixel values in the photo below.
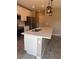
[
  {"x": 35, "y": 45},
  {"x": 32, "y": 44}
]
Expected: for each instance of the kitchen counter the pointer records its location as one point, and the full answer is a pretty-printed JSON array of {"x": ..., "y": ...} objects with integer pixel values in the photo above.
[
  {"x": 36, "y": 42},
  {"x": 45, "y": 32}
]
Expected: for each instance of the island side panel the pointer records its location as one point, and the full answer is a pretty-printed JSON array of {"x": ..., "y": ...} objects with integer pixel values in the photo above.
[{"x": 30, "y": 44}]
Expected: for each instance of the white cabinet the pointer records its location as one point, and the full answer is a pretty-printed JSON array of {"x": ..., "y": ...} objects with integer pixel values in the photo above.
[{"x": 31, "y": 44}]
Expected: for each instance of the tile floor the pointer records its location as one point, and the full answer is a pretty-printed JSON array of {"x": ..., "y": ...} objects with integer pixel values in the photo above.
[{"x": 53, "y": 49}]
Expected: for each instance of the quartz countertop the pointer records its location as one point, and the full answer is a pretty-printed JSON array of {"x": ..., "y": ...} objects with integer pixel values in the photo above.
[{"x": 45, "y": 32}]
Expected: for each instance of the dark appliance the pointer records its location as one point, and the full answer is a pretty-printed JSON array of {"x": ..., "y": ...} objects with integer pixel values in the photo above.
[
  {"x": 31, "y": 22},
  {"x": 19, "y": 29},
  {"x": 18, "y": 17}
]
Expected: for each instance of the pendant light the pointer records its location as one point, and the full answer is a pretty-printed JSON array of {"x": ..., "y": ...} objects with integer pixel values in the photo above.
[{"x": 49, "y": 8}]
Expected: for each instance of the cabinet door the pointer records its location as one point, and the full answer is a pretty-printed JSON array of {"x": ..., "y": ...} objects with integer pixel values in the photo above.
[{"x": 31, "y": 44}]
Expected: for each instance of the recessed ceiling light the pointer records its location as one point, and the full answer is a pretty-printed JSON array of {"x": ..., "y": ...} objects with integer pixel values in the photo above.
[
  {"x": 33, "y": 6},
  {"x": 42, "y": 5}
]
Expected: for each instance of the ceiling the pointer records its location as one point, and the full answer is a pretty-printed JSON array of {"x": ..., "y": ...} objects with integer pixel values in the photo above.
[{"x": 38, "y": 4}]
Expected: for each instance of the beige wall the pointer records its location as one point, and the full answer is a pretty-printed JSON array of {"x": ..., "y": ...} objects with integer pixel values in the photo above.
[
  {"x": 52, "y": 21},
  {"x": 23, "y": 12}
]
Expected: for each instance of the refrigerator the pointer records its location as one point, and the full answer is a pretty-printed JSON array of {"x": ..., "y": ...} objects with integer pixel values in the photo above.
[{"x": 31, "y": 22}]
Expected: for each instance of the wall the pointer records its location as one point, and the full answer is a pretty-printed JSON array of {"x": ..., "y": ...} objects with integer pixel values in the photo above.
[
  {"x": 57, "y": 21},
  {"x": 23, "y": 12},
  {"x": 20, "y": 23},
  {"x": 51, "y": 21}
]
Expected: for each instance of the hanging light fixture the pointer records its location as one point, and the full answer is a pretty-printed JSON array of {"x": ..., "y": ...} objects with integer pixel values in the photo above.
[{"x": 49, "y": 8}]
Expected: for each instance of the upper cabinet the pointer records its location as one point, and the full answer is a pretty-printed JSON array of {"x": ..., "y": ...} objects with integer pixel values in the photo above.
[{"x": 23, "y": 12}]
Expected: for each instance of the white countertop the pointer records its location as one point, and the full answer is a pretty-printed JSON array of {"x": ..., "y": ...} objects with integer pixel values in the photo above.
[{"x": 45, "y": 32}]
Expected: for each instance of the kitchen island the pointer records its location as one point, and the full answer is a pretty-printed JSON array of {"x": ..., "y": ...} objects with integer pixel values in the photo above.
[{"x": 35, "y": 42}]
